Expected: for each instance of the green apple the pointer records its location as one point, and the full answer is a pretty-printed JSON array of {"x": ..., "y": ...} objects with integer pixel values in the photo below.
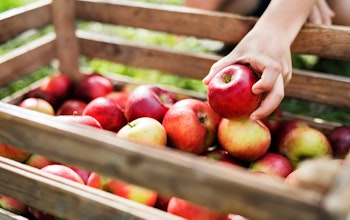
[
  {"x": 304, "y": 143},
  {"x": 144, "y": 130}
]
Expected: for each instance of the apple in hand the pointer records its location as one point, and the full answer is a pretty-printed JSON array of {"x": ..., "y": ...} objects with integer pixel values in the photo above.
[
  {"x": 339, "y": 138},
  {"x": 37, "y": 104},
  {"x": 230, "y": 92},
  {"x": 80, "y": 119},
  {"x": 244, "y": 138},
  {"x": 191, "y": 211},
  {"x": 93, "y": 86},
  {"x": 144, "y": 130},
  {"x": 148, "y": 101},
  {"x": 13, "y": 153},
  {"x": 71, "y": 107},
  {"x": 191, "y": 125},
  {"x": 304, "y": 143},
  {"x": 130, "y": 191},
  {"x": 274, "y": 164},
  {"x": 38, "y": 161},
  {"x": 107, "y": 113},
  {"x": 13, "y": 205}
]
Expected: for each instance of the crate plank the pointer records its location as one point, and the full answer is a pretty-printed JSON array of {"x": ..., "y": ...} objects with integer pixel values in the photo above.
[
  {"x": 324, "y": 41},
  {"x": 26, "y": 58},
  {"x": 141, "y": 165},
  {"x": 67, "y": 50},
  {"x": 35, "y": 15},
  {"x": 58, "y": 196}
]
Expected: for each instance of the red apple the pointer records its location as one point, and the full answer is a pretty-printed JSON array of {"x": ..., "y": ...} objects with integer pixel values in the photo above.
[
  {"x": 71, "y": 107},
  {"x": 339, "y": 138},
  {"x": 82, "y": 173},
  {"x": 267, "y": 177},
  {"x": 40, "y": 93},
  {"x": 243, "y": 138},
  {"x": 38, "y": 161},
  {"x": 59, "y": 85},
  {"x": 304, "y": 143},
  {"x": 130, "y": 191},
  {"x": 236, "y": 217},
  {"x": 93, "y": 86},
  {"x": 107, "y": 113},
  {"x": 148, "y": 101},
  {"x": 14, "y": 206},
  {"x": 119, "y": 97},
  {"x": 222, "y": 156},
  {"x": 274, "y": 120},
  {"x": 95, "y": 180},
  {"x": 80, "y": 119},
  {"x": 274, "y": 164},
  {"x": 13, "y": 153},
  {"x": 191, "y": 125},
  {"x": 230, "y": 92},
  {"x": 191, "y": 211},
  {"x": 37, "y": 104},
  {"x": 144, "y": 130},
  {"x": 286, "y": 127},
  {"x": 58, "y": 170}
]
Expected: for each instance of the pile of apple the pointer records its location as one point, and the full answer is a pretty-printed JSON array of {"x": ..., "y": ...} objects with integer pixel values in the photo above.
[{"x": 218, "y": 129}]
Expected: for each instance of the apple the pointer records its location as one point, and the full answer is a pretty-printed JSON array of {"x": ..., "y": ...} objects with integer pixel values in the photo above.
[
  {"x": 80, "y": 119},
  {"x": 191, "y": 211},
  {"x": 286, "y": 127},
  {"x": 84, "y": 174},
  {"x": 13, "y": 205},
  {"x": 304, "y": 143},
  {"x": 95, "y": 180},
  {"x": 130, "y": 191},
  {"x": 222, "y": 156},
  {"x": 236, "y": 217},
  {"x": 58, "y": 170},
  {"x": 59, "y": 85},
  {"x": 230, "y": 92},
  {"x": 71, "y": 107},
  {"x": 119, "y": 97},
  {"x": 274, "y": 120},
  {"x": 191, "y": 125},
  {"x": 38, "y": 161},
  {"x": 339, "y": 138},
  {"x": 274, "y": 164},
  {"x": 13, "y": 153},
  {"x": 264, "y": 176},
  {"x": 40, "y": 93},
  {"x": 93, "y": 86},
  {"x": 37, "y": 104},
  {"x": 144, "y": 130},
  {"x": 148, "y": 101},
  {"x": 107, "y": 113},
  {"x": 244, "y": 138}
]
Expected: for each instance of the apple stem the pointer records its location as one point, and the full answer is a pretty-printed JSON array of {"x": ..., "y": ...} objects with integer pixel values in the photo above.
[
  {"x": 227, "y": 78},
  {"x": 131, "y": 125},
  {"x": 202, "y": 118}
]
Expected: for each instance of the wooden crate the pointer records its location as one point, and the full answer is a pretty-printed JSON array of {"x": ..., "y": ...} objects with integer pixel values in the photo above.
[{"x": 167, "y": 171}]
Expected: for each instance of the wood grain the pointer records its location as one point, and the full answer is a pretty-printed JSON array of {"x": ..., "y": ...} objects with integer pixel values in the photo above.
[{"x": 18, "y": 20}]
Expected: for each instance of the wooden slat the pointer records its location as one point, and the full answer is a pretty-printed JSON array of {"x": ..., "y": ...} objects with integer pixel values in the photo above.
[
  {"x": 18, "y": 20},
  {"x": 26, "y": 58},
  {"x": 325, "y": 41},
  {"x": 323, "y": 88},
  {"x": 67, "y": 52},
  {"x": 6, "y": 215},
  {"x": 67, "y": 199},
  {"x": 226, "y": 189},
  {"x": 177, "y": 62}
]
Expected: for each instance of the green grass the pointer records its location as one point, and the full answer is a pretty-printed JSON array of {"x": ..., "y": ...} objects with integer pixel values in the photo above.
[{"x": 176, "y": 42}]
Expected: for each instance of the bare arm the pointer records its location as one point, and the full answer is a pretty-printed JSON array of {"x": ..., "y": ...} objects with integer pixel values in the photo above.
[{"x": 267, "y": 49}]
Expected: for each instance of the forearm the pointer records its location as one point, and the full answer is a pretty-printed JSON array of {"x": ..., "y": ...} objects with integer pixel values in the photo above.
[{"x": 284, "y": 18}]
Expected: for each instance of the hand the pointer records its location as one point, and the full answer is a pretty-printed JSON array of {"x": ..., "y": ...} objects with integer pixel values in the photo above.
[
  {"x": 268, "y": 55},
  {"x": 321, "y": 13}
]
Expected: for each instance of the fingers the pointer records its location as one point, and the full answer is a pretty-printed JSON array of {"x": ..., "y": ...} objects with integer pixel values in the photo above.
[
  {"x": 271, "y": 101},
  {"x": 321, "y": 13}
]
